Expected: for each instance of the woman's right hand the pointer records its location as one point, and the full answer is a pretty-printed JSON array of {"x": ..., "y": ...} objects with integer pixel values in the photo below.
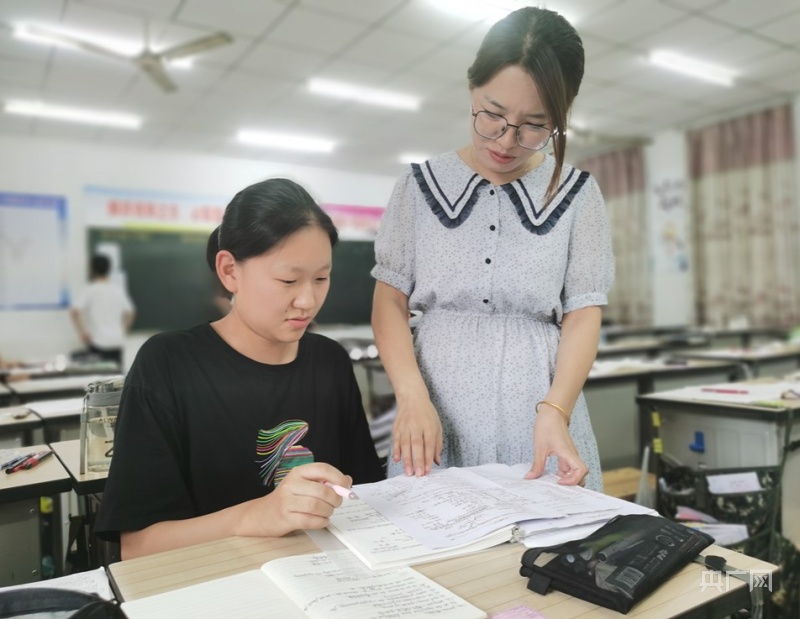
[{"x": 417, "y": 435}]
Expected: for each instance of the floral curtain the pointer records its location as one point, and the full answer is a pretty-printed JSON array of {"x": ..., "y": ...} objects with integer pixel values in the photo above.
[
  {"x": 746, "y": 220},
  {"x": 621, "y": 177}
]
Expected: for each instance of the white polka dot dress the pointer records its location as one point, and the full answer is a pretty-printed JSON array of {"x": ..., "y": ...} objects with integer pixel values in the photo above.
[{"x": 493, "y": 273}]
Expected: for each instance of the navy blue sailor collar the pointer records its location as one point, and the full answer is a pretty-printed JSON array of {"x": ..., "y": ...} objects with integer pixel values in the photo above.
[{"x": 450, "y": 188}]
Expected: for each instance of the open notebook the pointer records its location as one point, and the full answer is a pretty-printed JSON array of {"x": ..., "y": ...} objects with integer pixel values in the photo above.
[{"x": 308, "y": 587}]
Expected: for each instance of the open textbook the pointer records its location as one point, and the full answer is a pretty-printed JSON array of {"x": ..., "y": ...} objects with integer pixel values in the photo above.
[
  {"x": 313, "y": 586},
  {"x": 405, "y": 521}
]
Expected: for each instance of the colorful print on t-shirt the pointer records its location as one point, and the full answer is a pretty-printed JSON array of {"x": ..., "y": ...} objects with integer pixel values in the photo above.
[{"x": 280, "y": 450}]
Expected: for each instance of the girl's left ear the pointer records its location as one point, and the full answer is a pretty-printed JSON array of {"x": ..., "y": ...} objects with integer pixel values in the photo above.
[{"x": 226, "y": 271}]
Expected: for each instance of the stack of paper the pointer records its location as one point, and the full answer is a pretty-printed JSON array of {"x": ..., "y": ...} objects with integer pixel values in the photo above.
[{"x": 410, "y": 520}]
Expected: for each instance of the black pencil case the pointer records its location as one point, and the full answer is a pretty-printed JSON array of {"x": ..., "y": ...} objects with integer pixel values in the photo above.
[{"x": 619, "y": 564}]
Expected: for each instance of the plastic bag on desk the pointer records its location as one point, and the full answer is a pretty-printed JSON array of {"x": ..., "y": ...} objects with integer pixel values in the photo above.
[{"x": 617, "y": 565}]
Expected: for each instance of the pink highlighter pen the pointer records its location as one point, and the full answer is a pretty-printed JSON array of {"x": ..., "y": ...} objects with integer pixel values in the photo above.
[{"x": 345, "y": 493}]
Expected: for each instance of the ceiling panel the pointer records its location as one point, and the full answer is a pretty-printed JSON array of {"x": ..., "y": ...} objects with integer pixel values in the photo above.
[
  {"x": 21, "y": 72},
  {"x": 249, "y": 18},
  {"x": 614, "y": 24},
  {"x": 389, "y": 50},
  {"x": 152, "y": 9},
  {"x": 364, "y": 11},
  {"x": 422, "y": 19},
  {"x": 785, "y": 30},
  {"x": 751, "y": 14},
  {"x": 736, "y": 50},
  {"x": 283, "y": 61},
  {"x": 316, "y": 31},
  {"x": 687, "y": 36}
]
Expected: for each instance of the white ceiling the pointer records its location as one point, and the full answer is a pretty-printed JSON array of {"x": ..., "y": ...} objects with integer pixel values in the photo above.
[{"x": 258, "y": 81}]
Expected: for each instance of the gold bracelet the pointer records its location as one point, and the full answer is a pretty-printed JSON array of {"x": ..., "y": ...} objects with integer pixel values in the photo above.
[{"x": 564, "y": 413}]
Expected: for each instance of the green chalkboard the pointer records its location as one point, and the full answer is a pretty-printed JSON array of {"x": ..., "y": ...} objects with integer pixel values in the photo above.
[
  {"x": 173, "y": 288},
  {"x": 167, "y": 276},
  {"x": 350, "y": 298}
]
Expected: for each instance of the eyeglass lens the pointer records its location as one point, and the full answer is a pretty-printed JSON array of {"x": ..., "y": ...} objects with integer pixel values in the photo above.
[{"x": 492, "y": 126}]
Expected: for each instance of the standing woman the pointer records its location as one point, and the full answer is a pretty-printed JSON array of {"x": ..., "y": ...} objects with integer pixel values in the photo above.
[
  {"x": 234, "y": 427},
  {"x": 506, "y": 251}
]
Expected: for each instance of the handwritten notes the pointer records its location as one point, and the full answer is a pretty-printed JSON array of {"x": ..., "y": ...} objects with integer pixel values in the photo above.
[{"x": 308, "y": 586}]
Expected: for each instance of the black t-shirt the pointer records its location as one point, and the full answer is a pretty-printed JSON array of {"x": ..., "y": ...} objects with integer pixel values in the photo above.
[{"x": 188, "y": 442}]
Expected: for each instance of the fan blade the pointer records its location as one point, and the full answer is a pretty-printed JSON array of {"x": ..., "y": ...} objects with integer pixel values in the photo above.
[
  {"x": 153, "y": 66},
  {"x": 194, "y": 47},
  {"x": 61, "y": 38}
]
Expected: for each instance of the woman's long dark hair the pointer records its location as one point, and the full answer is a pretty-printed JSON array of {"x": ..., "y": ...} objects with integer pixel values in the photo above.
[{"x": 549, "y": 49}]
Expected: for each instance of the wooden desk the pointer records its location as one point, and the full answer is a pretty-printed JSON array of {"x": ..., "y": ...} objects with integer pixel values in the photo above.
[
  {"x": 48, "y": 477},
  {"x": 89, "y": 486},
  {"x": 744, "y": 337},
  {"x": 650, "y": 347},
  {"x": 21, "y": 539},
  {"x": 735, "y": 436},
  {"x": 768, "y": 360},
  {"x": 489, "y": 579},
  {"x": 5, "y": 395},
  {"x": 618, "y": 332},
  {"x": 17, "y": 425},
  {"x": 52, "y": 388},
  {"x": 611, "y": 398},
  {"x": 60, "y": 418},
  {"x": 69, "y": 453}
]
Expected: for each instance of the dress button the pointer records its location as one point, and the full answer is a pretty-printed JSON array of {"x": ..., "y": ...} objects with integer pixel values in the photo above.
[
  {"x": 491, "y": 192},
  {"x": 488, "y": 261},
  {"x": 486, "y": 300},
  {"x": 492, "y": 228}
]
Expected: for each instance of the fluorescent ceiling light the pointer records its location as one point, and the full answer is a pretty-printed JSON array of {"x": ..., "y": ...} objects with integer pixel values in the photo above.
[
  {"x": 41, "y": 34},
  {"x": 72, "y": 114},
  {"x": 285, "y": 141},
  {"x": 694, "y": 68},
  {"x": 373, "y": 96},
  {"x": 48, "y": 35},
  {"x": 409, "y": 158}
]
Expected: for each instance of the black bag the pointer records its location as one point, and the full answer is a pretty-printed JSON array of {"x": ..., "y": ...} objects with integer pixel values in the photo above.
[
  {"x": 41, "y": 602},
  {"x": 617, "y": 565}
]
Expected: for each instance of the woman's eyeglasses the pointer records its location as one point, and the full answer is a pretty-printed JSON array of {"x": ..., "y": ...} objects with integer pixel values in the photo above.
[{"x": 493, "y": 126}]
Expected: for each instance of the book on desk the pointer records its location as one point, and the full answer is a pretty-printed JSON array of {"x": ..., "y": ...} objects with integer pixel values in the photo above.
[{"x": 314, "y": 586}]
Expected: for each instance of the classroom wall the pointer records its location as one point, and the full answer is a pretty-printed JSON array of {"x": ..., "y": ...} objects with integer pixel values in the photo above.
[{"x": 31, "y": 165}]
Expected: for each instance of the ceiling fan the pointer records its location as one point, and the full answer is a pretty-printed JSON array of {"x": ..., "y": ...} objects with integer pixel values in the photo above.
[{"x": 152, "y": 63}]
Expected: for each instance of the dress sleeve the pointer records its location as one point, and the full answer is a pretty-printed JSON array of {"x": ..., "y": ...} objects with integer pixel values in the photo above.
[
  {"x": 590, "y": 260},
  {"x": 147, "y": 482},
  {"x": 394, "y": 245}
]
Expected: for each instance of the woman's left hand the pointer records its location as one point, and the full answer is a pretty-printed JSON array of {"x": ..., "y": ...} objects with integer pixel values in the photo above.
[{"x": 551, "y": 438}]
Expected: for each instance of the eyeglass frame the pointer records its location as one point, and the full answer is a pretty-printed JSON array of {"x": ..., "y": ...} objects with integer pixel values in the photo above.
[{"x": 508, "y": 124}]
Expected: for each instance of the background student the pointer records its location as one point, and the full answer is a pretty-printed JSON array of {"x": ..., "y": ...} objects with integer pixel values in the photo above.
[
  {"x": 232, "y": 427},
  {"x": 104, "y": 313},
  {"x": 506, "y": 251}
]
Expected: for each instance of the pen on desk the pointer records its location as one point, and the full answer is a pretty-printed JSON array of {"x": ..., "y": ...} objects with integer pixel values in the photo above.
[
  {"x": 31, "y": 462},
  {"x": 343, "y": 492},
  {"x": 721, "y": 390},
  {"x": 16, "y": 460}
]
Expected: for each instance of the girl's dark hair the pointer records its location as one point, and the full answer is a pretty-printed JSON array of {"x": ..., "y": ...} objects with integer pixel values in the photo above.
[
  {"x": 545, "y": 45},
  {"x": 261, "y": 216}
]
